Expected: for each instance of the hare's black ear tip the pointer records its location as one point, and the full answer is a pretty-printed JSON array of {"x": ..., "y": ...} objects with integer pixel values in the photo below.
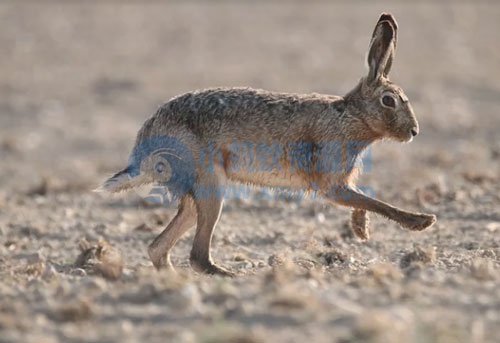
[{"x": 384, "y": 16}]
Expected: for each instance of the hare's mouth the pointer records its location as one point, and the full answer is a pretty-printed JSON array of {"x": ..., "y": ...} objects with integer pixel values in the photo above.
[
  {"x": 412, "y": 133},
  {"x": 402, "y": 138},
  {"x": 405, "y": 135},
  {"x": 407, "y": 139}
]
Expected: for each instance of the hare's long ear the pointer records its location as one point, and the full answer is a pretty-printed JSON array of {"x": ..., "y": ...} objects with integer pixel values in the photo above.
[{"x": 382, "y": 47}]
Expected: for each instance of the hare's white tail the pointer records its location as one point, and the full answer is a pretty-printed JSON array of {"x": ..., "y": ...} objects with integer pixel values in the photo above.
[
  {"x": 116, "y": 183},
  {"x": 122, "y": 181}
]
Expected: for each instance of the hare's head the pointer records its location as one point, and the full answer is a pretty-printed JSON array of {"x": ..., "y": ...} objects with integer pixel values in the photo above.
[{"x": 382, "y": 105}]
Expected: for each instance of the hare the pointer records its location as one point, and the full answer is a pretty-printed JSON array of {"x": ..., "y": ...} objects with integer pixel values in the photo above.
[{"x": 197, "y": 143}]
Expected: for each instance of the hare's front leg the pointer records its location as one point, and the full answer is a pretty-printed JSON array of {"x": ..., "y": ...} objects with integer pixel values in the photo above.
[
  {"x": 359, "y": 223},
  {"x": 348, "y": 197},
  {"x": 159, "y": 249}
]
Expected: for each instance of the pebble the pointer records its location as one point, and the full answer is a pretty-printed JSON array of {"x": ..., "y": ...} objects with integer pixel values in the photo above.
[
  {"x": 482, "y": 269},
  {"x": 49, "y": 273},
  {"x": 78, "y": 272}
]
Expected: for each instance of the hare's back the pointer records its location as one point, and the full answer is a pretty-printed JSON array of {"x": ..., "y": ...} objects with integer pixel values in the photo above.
[{"x": 247, "y": 112}]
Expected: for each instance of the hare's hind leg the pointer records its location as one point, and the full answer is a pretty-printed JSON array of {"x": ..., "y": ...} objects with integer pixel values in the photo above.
[
  {"x": 209, "y": 193},
  {"x": 159, "y": 249},
  {"x": 413, "y": 221}
]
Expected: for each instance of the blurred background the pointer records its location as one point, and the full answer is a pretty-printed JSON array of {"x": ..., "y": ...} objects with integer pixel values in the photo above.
[{"x": 77, "y": 80}]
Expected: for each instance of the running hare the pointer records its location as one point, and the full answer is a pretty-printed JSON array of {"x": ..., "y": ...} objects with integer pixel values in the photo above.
[{"x": 198, "y": 142}]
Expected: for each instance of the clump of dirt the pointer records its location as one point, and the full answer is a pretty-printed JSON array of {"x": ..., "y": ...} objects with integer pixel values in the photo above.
[
  {"x": 289, "y": 301},
  {"x": 480, "y": 177},
  {"x": 482, "y": 269},
  {"x": 419, "y": 255},
  {"x": 382, "y": 326},
  {"x": 384, "y": 273},
  {"x": 332, "y": 257},
  {"x": 100, "y": 258},
  {"x": 282, "y": 260},
  {"x": 73, "y": 311},
  {"x": 432, "y": 193},
  {"x": 283, "y": 270}
]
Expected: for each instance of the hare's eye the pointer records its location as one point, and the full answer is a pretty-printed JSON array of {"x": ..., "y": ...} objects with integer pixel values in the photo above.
[
  {"x": 160, "y": 167},
  {"x": 388, "y": 101}
]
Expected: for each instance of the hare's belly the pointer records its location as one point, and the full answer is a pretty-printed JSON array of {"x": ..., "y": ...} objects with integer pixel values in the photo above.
[
  {"x": 299, "y": 180},
  {"x": 269, "y": 178},
  {"x": 299, "y": 168}
]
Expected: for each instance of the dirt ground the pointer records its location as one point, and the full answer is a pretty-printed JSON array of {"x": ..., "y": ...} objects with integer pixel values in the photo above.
[{"x": 77, "y": 81}]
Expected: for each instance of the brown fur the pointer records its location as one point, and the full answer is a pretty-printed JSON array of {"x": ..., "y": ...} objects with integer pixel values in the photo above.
[{"x": 222, "y": 116}]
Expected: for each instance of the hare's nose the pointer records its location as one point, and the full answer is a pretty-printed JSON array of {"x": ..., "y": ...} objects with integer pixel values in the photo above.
[{"x": 414, "y": 131}]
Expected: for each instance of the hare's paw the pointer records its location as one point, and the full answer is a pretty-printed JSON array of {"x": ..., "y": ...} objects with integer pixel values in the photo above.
[
  {"x": 419, "y": 221},
  {"x": 359, "y": 224},
  {"x": 211, "y": 268},
  {"x": 214, "y": 269}
]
